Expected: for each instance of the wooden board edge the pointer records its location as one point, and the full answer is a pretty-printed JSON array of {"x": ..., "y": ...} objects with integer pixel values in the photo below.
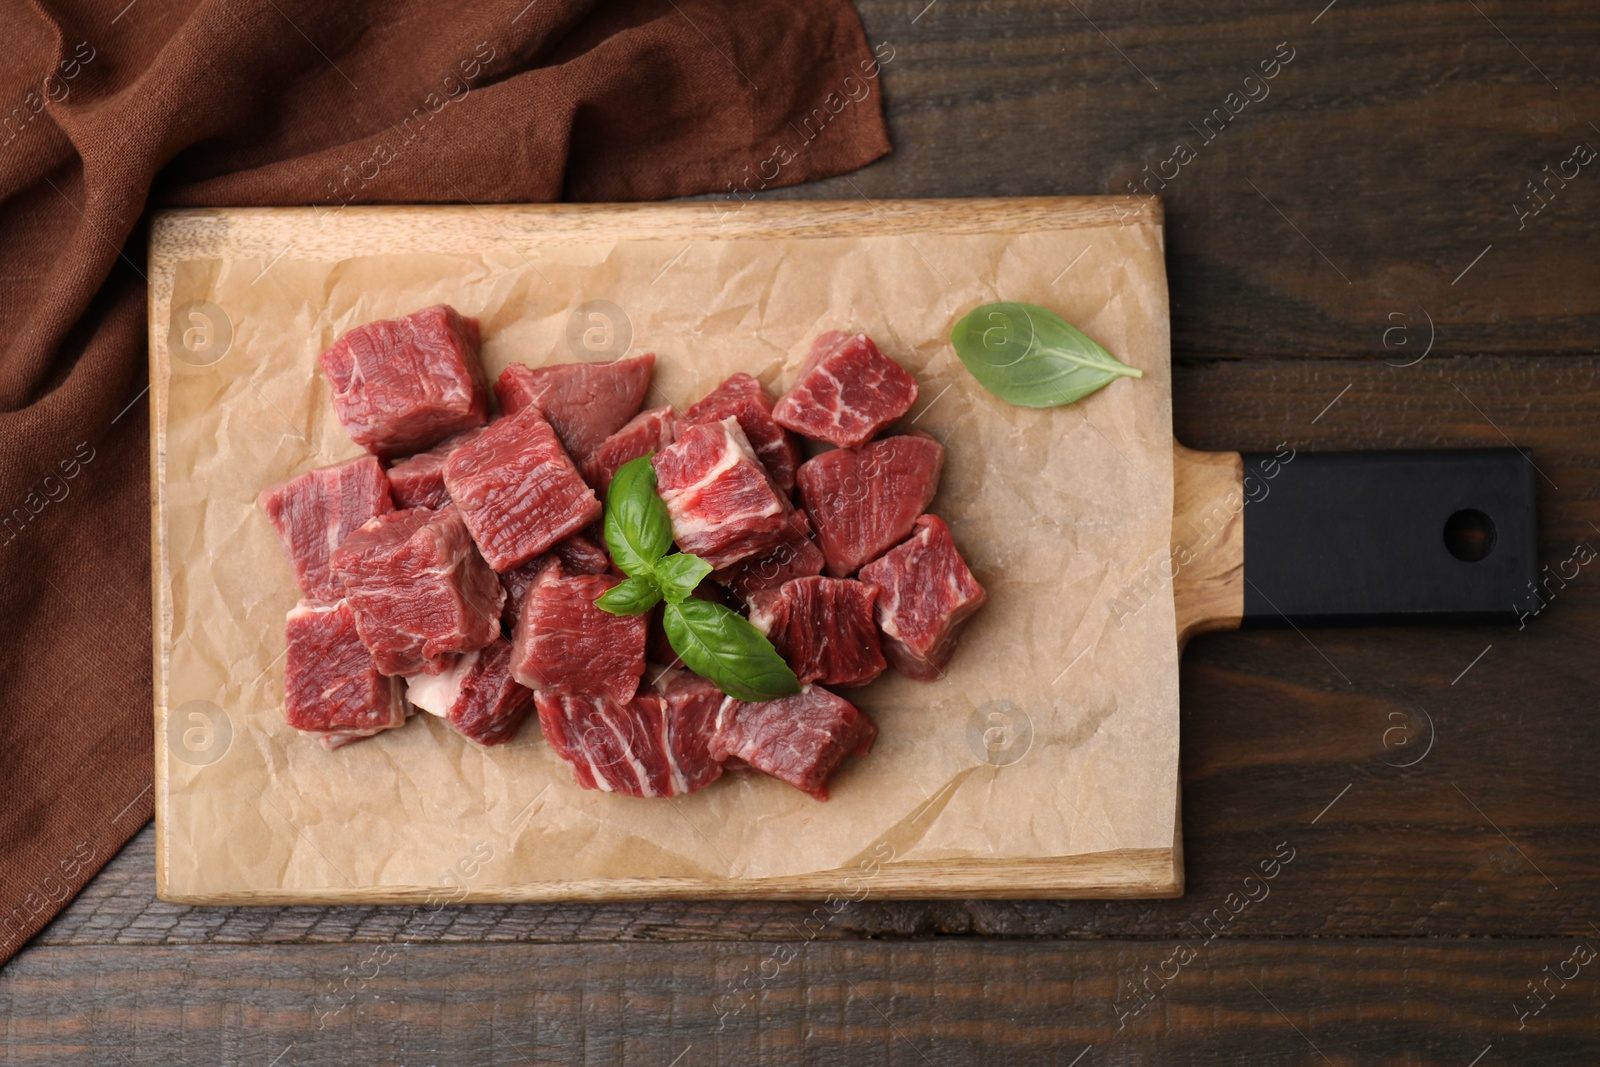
[
  {"x": 1207, "y": 566},
  {"x": 215, "y": 233},
  {"x": 1179, "y": 881},
  {"x": 1207, "y": 562},
  {"x": 1125, "y": 874},
  {"x": 160, "y": 285}
]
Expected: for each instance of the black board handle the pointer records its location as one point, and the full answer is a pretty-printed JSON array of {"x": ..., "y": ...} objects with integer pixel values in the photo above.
[{"x": 1437, "y": 536}]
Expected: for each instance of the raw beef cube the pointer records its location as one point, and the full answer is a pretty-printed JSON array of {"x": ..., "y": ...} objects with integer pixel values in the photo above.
[
  {"x": 657, "y": 649},
  {"x": 925, "y": 596},
  {"x": 518, "y": 580},
  {"x": 564, "y": 642},
  {"x": 606, "y": 743},
  {"x": 403, "y": 385},
  {"x": 418, "y": 482},
  {"x": 648, "y": 431},
  {"x": 419, "y": 590},
  {"x": 823, "y": 629},
  {"x": 796, "y": 556},
  {"x": 744, "y": 398},
  {"x": 846, "y": 392},
  {"x": 581, "y": 554},
  {"x": 331, "y": 686},
  {"x": 314, "y": 512},
  {"x": 865, "y": 500},
  {"x": 585, "y": 402},
  {"x": 800, "y": 739},
  {"x": 723, "y": 506},
  {"x": 477, "y": 695},
  {"x": 517, "y": 490},
  {"x": 656, "y": 745},
  {"x": 690, "y": 706},
  {"x": 571, "y": 556}
]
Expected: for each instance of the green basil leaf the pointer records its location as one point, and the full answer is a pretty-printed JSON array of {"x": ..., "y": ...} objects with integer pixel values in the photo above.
[
  {"x": 679, "y": 574},
  {"x": 1032, "y": 357},
  {"x": 638, "y": 528},
  {"x": 634, "y": 596},
  {"x": 726, "y": 649}
]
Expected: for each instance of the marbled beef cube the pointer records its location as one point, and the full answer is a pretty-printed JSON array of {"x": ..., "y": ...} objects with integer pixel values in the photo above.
[
  {"x": 477, "y": 695},
  {"x": 647, "y": 432},
  {"x": 403, "y": 385},
  {"x": 418, "y": 481},
  {"x": 744, "y": 398},
  {"x": 331, "y": 686},
  {"x": 865, "y": 500},
  {"x": 799, "y": 739},
  {"x": 420, "y": 592},
  {"x": 846, "y": 391},
  {"x": 517, "y": 490},
  {"x": 724, "y": 508},
  {"x": 607, "y": 744},
  {"x": 690, "y": 705},
  {"x": 796, "y": 556},
  {"x": 563, "y": 642},
  {"x": 314, "y": 512},
  {"x": 926, "y": 594},
  {"x": 823, "y": 628},
  {"x": 584, "y": 402},
  {"x": 655, "y": 745}
]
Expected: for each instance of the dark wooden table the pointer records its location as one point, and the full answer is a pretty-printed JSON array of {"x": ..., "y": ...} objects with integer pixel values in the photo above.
[{"x": 1441, "y": 912}]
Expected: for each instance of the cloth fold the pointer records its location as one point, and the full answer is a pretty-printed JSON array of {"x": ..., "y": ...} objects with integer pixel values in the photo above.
[{"x": 163, "y": 103}]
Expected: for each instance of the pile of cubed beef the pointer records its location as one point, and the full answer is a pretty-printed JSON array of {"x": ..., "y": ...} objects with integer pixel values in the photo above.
[{"x": 454, "y": 568}]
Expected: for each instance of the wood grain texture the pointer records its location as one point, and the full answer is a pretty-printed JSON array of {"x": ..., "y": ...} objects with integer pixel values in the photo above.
[
  {"x": 971, "y": 1003},
  {"x": 1387, "y": 155},
  {"x": 1207, "y": 562}
]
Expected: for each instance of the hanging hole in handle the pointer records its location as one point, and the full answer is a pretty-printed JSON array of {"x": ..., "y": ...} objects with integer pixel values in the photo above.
[{"x": 1469, "y": 535}]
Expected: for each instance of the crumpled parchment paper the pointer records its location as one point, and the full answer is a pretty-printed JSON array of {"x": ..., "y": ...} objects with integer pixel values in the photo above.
[{"x": 1053, "y": 739}]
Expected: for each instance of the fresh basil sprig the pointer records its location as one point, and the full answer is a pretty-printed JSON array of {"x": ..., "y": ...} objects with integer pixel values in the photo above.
[
  {"x": 1032, "y": 357},
  {"x": 634, "y": 596},
  {"x": 720, "y": 645},
  {"x": 715, "y": 643},
  {"x": 680, "y": 574},
  {"x": 638, "y": 527}
]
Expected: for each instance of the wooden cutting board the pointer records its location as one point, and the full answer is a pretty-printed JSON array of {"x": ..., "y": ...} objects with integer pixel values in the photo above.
[{"x": 214, "y": 793}]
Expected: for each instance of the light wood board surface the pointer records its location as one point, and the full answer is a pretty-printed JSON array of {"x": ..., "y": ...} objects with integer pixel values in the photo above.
[{"x": 1206, "y": 533}]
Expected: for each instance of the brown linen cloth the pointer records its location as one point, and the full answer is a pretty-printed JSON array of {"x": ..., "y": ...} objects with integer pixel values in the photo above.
[{"x": 105, "y": 107}]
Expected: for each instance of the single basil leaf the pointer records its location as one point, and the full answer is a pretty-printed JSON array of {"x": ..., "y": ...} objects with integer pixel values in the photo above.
[
  {"x": 727, "y": 650},
  {"x": 1032, "y": 357},
  {"x": 679, "y": 574},
  {"x": 634, "y": 596},
  {"x": 638, "y": 528}
]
